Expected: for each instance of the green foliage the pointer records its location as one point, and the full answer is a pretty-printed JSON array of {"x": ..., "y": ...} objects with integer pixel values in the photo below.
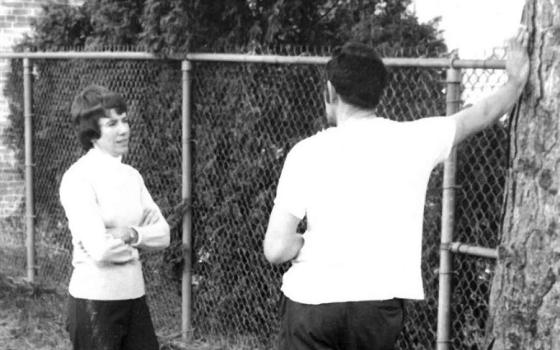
[
  {"x": 114, "y": 23},
  {"x": 61, "y": 27},
  {"x": 178, "y": 26},
  {"x": 182, "y": 25},
  {"x": 240, "y": 144},
  {"x": 13, "y": 90}
]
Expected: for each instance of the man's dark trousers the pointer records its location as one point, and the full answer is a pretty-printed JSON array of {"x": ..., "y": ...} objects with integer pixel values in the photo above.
[{"x": 361, "y": 325}]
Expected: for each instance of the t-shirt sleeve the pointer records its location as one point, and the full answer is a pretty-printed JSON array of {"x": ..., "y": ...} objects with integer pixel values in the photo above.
[
  {"x": 292, "y": 189},
  {"x": 438, "y": 136}
]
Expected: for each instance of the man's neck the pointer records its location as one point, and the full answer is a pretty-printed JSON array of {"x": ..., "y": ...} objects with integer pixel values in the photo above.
[{"x": 346, "y": 113}]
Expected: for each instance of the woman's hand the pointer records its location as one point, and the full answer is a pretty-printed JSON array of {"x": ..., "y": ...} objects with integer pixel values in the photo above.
[{"x": 127, "y": 234}]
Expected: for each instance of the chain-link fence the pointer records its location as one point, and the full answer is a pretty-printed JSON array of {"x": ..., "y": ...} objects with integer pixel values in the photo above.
[
  {"x": 245, "y": 118},
  {"x": 12, "y": 237},
  {"x": 481, "y": 174}
]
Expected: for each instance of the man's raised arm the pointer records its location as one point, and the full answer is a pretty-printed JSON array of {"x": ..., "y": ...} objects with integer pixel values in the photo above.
[{"x": 488, "y": 110}]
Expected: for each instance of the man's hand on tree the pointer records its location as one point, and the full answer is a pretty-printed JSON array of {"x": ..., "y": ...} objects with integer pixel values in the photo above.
[{"x": 517, "y": 63}]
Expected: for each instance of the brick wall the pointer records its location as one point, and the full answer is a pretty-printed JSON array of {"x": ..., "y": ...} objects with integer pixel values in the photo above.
[{"x": 15, "y": 16}]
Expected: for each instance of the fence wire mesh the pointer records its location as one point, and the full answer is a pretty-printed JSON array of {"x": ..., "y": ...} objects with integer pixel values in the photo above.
[
  {"x": 246, "y": 116},
  {"x": 482, "y": 162},
  {"x": 12, "y": 237}
]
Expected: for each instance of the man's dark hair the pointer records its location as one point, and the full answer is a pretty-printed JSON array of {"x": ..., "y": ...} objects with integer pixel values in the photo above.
[
  {"x": 357, "y": 74},
  {"x": 89, "y": 105}
]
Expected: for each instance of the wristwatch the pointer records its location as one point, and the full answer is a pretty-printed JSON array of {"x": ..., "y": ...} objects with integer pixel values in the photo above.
[{"x": 133, "y": 238}]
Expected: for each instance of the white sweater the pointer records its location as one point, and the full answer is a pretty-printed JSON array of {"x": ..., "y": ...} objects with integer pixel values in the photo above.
[{"x": 99, "y": 192}]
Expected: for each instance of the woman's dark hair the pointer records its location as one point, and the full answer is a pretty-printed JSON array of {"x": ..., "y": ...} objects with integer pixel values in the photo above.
[
  {"x": 89, "y": 105},
  {"x": 357, "y": 74}
]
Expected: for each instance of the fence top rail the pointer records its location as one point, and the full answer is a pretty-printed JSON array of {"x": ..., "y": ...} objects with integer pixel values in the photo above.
[{"x": 252, "y": 58}]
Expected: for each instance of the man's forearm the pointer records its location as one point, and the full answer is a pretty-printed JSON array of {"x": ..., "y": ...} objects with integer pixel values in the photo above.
[
  {"x": 282, "y": 242},
  {"x": 280, "y": 249},
  {"x": 500, "y": 103},
  {"x": 487, "y": 111}
]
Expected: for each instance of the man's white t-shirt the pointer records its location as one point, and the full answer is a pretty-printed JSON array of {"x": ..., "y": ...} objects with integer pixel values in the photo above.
[{"x": 362, "y": 186}]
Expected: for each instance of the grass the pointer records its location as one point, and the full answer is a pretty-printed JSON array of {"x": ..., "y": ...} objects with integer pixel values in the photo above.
[{"x": 32, "y": 318}]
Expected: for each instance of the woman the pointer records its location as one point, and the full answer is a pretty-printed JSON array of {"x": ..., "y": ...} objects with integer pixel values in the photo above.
[{"x": 111, "y": 215}]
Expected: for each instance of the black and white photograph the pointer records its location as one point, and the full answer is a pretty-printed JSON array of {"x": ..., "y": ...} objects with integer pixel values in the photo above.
[{"x": 279, "y": 175}]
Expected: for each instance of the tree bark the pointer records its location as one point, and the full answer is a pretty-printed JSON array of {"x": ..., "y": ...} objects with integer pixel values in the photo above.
[{"x": 525, "y": 296}]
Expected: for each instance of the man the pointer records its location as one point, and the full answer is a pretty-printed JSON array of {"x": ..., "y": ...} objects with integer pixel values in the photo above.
[{"x": 361, "y": 186}]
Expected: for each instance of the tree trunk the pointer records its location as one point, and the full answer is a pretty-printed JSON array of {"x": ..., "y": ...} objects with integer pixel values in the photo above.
[{"x": 525, "y": 297}]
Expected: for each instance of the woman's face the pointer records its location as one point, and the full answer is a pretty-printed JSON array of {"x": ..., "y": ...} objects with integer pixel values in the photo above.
[{"x": 115, "y": 133}]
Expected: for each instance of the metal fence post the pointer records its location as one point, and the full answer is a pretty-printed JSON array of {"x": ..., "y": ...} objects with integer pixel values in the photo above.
[
  {"x": 186, "y": 322},
  {"x": 28, "y": 135},
  {"x": 453, "y": 99}
]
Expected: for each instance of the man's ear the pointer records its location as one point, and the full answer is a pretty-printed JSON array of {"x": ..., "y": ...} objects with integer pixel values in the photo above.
[
  {"x": 331, "y": 99},
  {"x": 330, "y": 93}
]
